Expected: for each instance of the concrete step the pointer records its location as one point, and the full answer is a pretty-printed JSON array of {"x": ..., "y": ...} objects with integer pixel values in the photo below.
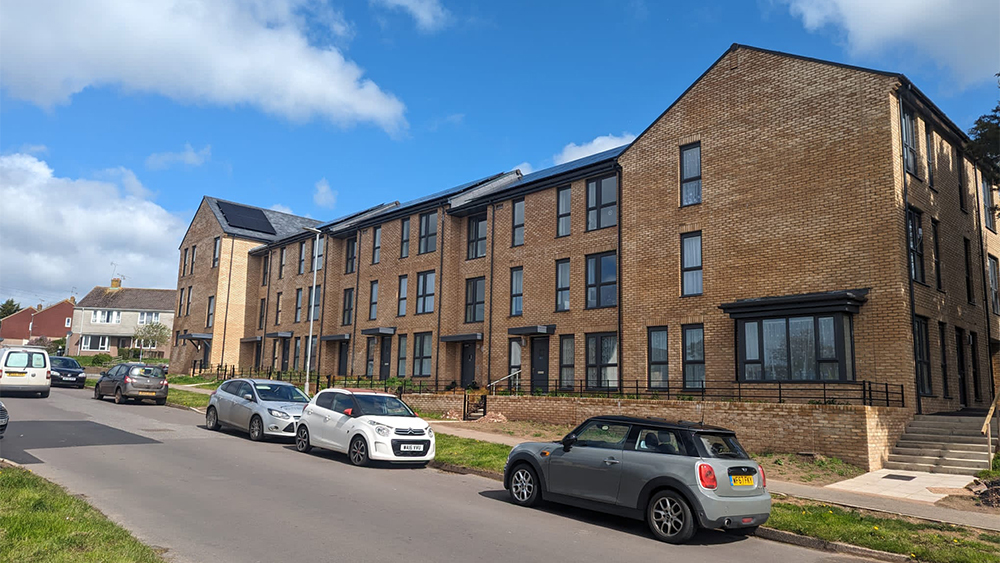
[
  {"x": 969, "y": 419},
  {"x": 957, "y": 431},
  {"x": 904, "y": 442},
  {"x": 943, "y": 438},
  {"x": 977, "y": 426},
  {"x": 975, "y": 464},
  {"x": 942, "y": 452},
  {"x": 927, "y": 468}
]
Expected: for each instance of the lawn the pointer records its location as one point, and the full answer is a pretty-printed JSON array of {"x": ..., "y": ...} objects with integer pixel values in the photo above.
[
  {"x": 177, "y": 396},
  {"x": 814, "y": 470},
  {"x": 475, "y": 454},
  {"x": 207, "y": 382},
  {"x": 40, "y": 521}
]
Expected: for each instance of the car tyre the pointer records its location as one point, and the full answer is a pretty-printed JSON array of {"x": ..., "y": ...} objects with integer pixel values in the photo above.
[
  {"x": 212, "y": 419},
  {"x": 44, "y": 394},
  {"x": 748, "y": 531},
  {"x": 302, "y": 439},
  {"x": 524, "y": 485},
  {"x": 161, "y": 401},
  {"x": 358, "y": 452},
  {"x": 82, "y": 385},
  {"x": 119, "y": 398},
  {"x": 256, "y": 428},
  {"x": 97, "y": 393},
  {"x": 670, "y": 518}
]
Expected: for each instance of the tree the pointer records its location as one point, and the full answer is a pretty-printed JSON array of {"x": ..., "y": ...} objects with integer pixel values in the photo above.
[
  {"x": 985, "y": 143},
  {"x": 153, "y": 332},
  {"x": 8, "y": 308}
]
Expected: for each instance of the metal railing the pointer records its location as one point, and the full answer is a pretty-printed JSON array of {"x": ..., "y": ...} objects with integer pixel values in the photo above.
[
  {"x": 987, "y": 428},
  {"x": 515, "y": 383}
]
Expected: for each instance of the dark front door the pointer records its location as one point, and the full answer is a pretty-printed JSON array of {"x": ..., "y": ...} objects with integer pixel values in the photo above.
[
  {"x": 540, "y": 364},
  {"x": 256, "y": 354},
  {"x": 468, "y": 363},
  {"x": 342, "y": 354},
  {"x": 385, "y": 357},
  {"x": 960, "y": 349},
  {"x": 206, "y": 354},
  {"x": 284, "y": 353}
]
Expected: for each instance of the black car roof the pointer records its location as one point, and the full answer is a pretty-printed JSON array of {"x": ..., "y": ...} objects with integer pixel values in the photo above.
[{"x": 663, "y": 423}]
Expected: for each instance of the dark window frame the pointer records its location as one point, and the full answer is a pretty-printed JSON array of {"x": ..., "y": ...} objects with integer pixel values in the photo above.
[
  {"x": 350, "y": 255},
  {"x": 404, "y": 238},
  {"x": 936, "y": 233},
  {"x": 427, "y": 241},
  {"x": 210, "y": 315},
  {"x": 262, "y": 313},
  {"x": 943, "y": 351},
  {"x": 598, "y": 362},
  {"x": 216, "y": 252},
  {"x": 317, "y": 253},
  {"x": 184, "y": 264},
  {"x": 187, "y": 309},
  {"x": 595, "y": 261},
  {"x": 994, "y": 276},
  {"x": 989, "y": 208},
  {"x": 567, "y": 363},
  {"x": 401, "y": 343},
  {"x": 511, "y": 366},
  {"x": 281, "y": 263},
  {"x": 265, "y": 269},
  {"x": 476, "y": 233},
  {"x": 302, "y": 257},
  {"x": 962, "y": 191},
  {"x": 314, "y": 308},
  {"x": 347, "y": 310},
  {"x": 685, "y": 361},
  {"x": 475, "y": 300},
  {"x": 922, "y": 355},
  {"x": 929, "y": 142},
  {"x": 567, "y": 214},
  {"x": 651, "y": 363},
  {"x": 970, "y": 287},
  {"x": 563, "y": 294},
  {"x": 909, "y": 130},
  {"x": 915, "y": 244},
  {"x": 425, "y": 293},
  {"x": 298, "y": 305},
  {"x": 699, "y": 268},
  {"x": 370, "y": 356},
  {"x": 517, "y": 297},
  {"x": 194, "y": 254},
  {"x": 418, "y": 356},
  {"x": 376, "y": 244},
  {"x": 843, "y": 334},
  {"x": 517, "y": 229},
  {"x": 974, "y": 356},
  {"x": 402, "y": 286},
  {"x": 685, "y": 180},
  {"x": 373, "y": 300},
  {"x": 277, "y": 309},
  {"x": 597, "y": 203}
]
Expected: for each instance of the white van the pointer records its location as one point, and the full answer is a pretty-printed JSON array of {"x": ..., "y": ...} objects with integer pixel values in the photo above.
[{"x": 25, "y": 369}]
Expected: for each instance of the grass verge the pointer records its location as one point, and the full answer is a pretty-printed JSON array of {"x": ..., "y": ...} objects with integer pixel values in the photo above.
[
  {"x": 40, "y": 521},
  {"x": 193, "y": 380},
  {"x": 177, "y": 396},
  {"x": 815, "y": 470},
  {"x": 475, "y": 454}
]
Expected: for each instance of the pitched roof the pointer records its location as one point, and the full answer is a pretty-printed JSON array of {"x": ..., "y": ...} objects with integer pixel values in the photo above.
[
  {"x": 129, "y": 298},
  {"x": 283, "y": 224}
]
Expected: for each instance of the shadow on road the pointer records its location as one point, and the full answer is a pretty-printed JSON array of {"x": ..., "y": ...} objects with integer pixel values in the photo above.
[
  {"x": 342, "y": 458},
  {"x": 43, "y": 434}
]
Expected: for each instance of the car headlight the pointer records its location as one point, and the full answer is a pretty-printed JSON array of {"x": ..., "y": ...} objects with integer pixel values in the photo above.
[
  {"x": 430, "y": 432},
  {"x": 277, "y": 413},
  {"x": 382, "y": 430},
  {"x": 56, "y": 373}
]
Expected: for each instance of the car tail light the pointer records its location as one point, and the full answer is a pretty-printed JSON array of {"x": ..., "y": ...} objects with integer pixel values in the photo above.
[
  {"x": 763, "y": 476},
  {"x": 706, "y": 475},
  {"x": 163, "y": 383},
  {"x": 128, "y": 379},
  {"x": 48, "y": 374}
]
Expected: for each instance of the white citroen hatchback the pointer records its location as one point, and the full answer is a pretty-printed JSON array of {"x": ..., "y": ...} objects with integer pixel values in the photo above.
[{"x": 366, "y": 425}]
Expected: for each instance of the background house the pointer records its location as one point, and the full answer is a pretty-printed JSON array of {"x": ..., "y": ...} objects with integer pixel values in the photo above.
[
  {"x": 105, "y": 320},
  {"x": 52, "y": 322}
]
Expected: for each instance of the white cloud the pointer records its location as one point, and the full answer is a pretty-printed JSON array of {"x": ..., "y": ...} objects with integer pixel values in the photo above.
[
  {"x": 574, "y": 151},
  {"x": 324, "y": 196},
  {"x": 525, "y": 168},
  {"x": 960, "y": 35},
  {"x": 187, "y": 157},
  {"x": 59, "y": 233},
  {"x": 430, "y": 15},
  {"x": 221, "y": 52},
  {"x": 34, "y": 149},
  {"x": 282, "y": 208}
]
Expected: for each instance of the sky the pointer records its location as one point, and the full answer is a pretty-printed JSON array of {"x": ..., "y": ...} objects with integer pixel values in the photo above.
[{"x": 116, "y": 117}]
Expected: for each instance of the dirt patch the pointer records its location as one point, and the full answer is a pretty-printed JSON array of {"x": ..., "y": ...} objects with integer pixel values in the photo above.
[
  {"x": 983, "y": 497},
  {"x": 492, "y": 418},
  {"x": 527, "y": 431},
  {"x": 806, "y": 468},
  {"x": 967, "y": 503}
]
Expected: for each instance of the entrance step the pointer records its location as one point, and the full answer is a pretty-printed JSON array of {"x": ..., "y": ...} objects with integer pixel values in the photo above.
[
  {"x": 943, "y": 438},
  {"x": 927, "y": 468},
  {"x": 943, "y": 451},
  {"x": 909, "y": 441},
  {"x": 974, "y": 464}
]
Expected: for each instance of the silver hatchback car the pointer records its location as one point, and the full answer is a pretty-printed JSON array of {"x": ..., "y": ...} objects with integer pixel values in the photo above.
[
  {"x": 678, "y": 476},
  {"x": 261, "y": 407}
]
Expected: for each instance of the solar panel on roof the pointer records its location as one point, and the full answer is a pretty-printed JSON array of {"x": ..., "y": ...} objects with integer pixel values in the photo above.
[{"x": 248, "y": 218}]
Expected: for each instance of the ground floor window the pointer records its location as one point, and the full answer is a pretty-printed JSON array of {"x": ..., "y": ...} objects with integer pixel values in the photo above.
[
  {"x": 298, "y": 353},
  {"x": 370, "y": 357},
  {"x": 422, "y": 354},
  {"x": 513, "y": 360},
  {"x": 567, "y": 365},
  {"x": 922, "y": 355},
  {"x": 694, "y": 356},
  {"x": 805, "y": 348},
  {"x": 657, "y": 357},
  {"x": 602, "y": 360},
  {"x": 401, "y": 363},
  {"x": 95, "y": 343}
]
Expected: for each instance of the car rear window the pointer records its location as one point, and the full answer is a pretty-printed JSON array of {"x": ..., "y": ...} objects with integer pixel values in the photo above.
[
  {"x": 69, "y": 363},
  {"x": 146, "y": 371},
  {"x": 722, "y": 446},
  {"x": 25, "y": 360}
]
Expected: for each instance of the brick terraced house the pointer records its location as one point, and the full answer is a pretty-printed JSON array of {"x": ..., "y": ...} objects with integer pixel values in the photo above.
[{"x": 789, "y": 230}]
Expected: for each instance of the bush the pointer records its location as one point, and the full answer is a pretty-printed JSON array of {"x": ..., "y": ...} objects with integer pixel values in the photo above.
[{"x": 100, "y": 359}]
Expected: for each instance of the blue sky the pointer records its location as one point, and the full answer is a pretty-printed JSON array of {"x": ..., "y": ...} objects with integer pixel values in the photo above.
[{"x": 324, "y": 108}]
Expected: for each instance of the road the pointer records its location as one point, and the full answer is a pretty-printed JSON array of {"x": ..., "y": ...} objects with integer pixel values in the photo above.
[{"x": 217, "y": 497}]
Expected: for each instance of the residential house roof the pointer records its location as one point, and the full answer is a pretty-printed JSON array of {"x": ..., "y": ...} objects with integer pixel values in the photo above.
[
  {"x": 132, "y": 298},
  {"x": 283, "y": 224}
]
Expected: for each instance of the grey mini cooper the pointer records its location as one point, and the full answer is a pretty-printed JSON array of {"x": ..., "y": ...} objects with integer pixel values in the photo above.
[{"x": 677, "y": 476}]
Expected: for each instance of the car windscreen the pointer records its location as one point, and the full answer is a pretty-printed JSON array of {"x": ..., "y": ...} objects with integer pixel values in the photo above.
[
  {"x": 283, "y": 393},
  {"x": 146, "y": 371},
  {"x": 66, "y": 363},
  {"x": 722, "y": 446},
  {"x": 382, "y": 405}
]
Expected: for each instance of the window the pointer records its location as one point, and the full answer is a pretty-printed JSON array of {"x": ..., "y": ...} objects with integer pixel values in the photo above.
[
  {"x": 401, "y": 297},
  {"x": 658, "y": 440},
  {"x": 404, "y": 241},
  {"x": 943, "y": 343},
  {"x": 274, "y": 354},
  {"x": 69, "y": 322},
  {"x": 114, "y": 317},
  {"x": 909, "y": 141},
  {"x": 602, "y": 360},
  {"x": 215, "y": 252},
  {"x": 475, "y": 300},
  {"x": 513, "y": 360},
  {"x": 180, "y": 304},
  {"x": 177, "y": 338},
  {"x": 658, "y": 369},
  {"x": 602, "y": 203},
  {"x": 562, "y": 285},
  {"x": 428, "y": 233},
  {"x": 281, "y": 263},
  {"x": 144, "y": 318},
  {"x": 184, "y": 264},
  {"x": 937, "y": 254},
  {"x": 370, "y": 356},
  {"x": 602, "y": 280},
  {"x": 602, "y": 435},
  {"x": 694, "y": 356},
  {"x": 194, "y": 253},
  {"x": 929, "y": 142},
  {"x": 915, "y": 240},
  {"x": 277, "y": 308},
  {"x": 960, "y": 358},
  {"x": 265, "y": 269},
  {"x": 517, "y": 227},
  {"x": 92, "y": 343},
  {"x": 422, "y": 354},
  {"x": 691, "y": 272},
  {"x": 567, "y": 361},
  {"x": 922, "y": 355},
  {"x": 314, "y": 297},
  {"x": 516, "y": 291},
  {"x": 401, "y": 360},
  {"x": 994, "y": 284},
  {"x": 187, "y": 310},
  {"x": 477, "y": 237},
  {"x": 376, "y": 244},
  {"x": 563, "y": 208},
  {"x": 298, "y": 305},
  {"x": 210, "y": 318},
  {"x": 960, "y": 165},
  {"x": 351, "y": 251},
  {"x": 989, "y": 209},
  {"x": 969, "y": 290},
  {"x": 298, "y": 353},
  {"x": 348, "y": 315},
  {"x": 690, "y": 174},
  {"x": 302, "y": 257},
  {"x": 974, "y": 353},
  {"x": 804, "y": 348},
  {"x": 425, "y": 292},
  {"x": 124, "y": 342},
  {"x": 320, "y": 247},
  {"x": 373, "y": 301},
  {"x": 262, "y": 313}
]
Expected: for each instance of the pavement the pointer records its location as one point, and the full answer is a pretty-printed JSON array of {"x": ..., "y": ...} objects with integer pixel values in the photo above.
[
  {"x": 909, "y": 485},
  {"x": 216, "y": 496}
]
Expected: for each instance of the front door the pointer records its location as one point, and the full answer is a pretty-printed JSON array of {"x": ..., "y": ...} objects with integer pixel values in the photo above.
[
  {"x": 258, "y": 347},
  {"x": 206, "y": 353},
  {"x": 342, "y": 356},
  {"x": 385, "y": 357},
  {"x": 963, "y": 399},
  {"x": 284, "y": 353},
  {"x": 592, "y": 468},
  {"x": 540, "y": 364},
  {"x": 468, "y": 364}
]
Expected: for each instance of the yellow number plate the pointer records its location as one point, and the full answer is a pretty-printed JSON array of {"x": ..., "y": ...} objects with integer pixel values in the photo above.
[
  {"x": 147, "y": 393},
  {"x": 16, "y": 373},
  {"x": 742, "y": 480}
]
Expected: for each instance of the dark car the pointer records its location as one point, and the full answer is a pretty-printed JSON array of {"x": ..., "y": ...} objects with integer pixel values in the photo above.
[
  {"x": 133, "y": 381},
  {"x": 67, "y": 372},
  {"x": 677, "y": 476}
]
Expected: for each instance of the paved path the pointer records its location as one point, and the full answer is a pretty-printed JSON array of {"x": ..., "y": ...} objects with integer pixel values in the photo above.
[
  {"x": 468, "y": 430},
  {"x": 216, "y": 496}
]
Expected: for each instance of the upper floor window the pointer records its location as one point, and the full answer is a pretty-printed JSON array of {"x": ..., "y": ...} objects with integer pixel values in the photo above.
[
  {"x": 281, "y": 263},
  {"x": 314, "y": 294},
  {"x": 376, "y": 244},
  {"x": 373, "y": 301},
  {"x": 929, "y": 142},
  {"x": 265, "y": 269},
  {"x": 428, "y": 233},
  {"x": 563, "y": 208},
  {"x": 915, "y": 240},
  {"x": 691, "y": 271},
  {"x": 425, "y": 292},
  {"x": 477, "y": 237},
  {"x": 187, "y": 310},
  {"x": 215, "y": 252},
  {"x": 517, "y": 227},
  {"x": 210, "y": 317},
  {"x": 351, "y": 250},
  {"x": 184, "y": 264},
  {"x": 401, "y": 297},
  {"x": 404, "y": 238},
  {"x": 262, "y": 313},
  {"x": 994, "y": 284},
  {"x": 319, "y": 245},
  {"x": 148, "y": 318},
  {"x": 959, "y": 161},
  {"x": 935, "y": 226},
  {"x": 989, "y": 209},
  {"x": 562, "y": 285},
  {"x": 69, "y": 322},
  {"x": 691, "y": 174},
  {"x": 602, "y": 202},
  {"x": 475, "y": 300},
  {"x": 602, "y": 280},
  {"x": 194, "y": 254},
  {"x": 348, "y": 314},
  {"x": 909, "y": 141},
  {"x": 109, "y": 317},
  {"x": 277, "y": 308},
  {"x": 516, "y": 291},
  {"x": 302, "y": 257},
  {"x": 970, "y": 293},
  {"x": 298, "y": 305}
]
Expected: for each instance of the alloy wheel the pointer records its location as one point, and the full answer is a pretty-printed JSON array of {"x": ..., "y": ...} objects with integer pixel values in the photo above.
[
  {"x": 256, "y": 429},
  {"x": 302, "y": 440},
  {"x": 522, "y": 485},
  {"x": 211, "y": 419},
  {"x": 359, "y": 452},
  {"x": 668, "y": 516}
]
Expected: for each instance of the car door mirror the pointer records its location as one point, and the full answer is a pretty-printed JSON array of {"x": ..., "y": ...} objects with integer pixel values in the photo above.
[
  {"x": 568, "y": 441},
  {"x": 248, "y": 397},
  {"x": 103, "y": 373},
  {"x": 349, "y": 412}
]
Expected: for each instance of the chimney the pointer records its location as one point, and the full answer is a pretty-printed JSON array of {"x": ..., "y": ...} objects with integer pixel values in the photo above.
[
  {"x": 116, "y": 283},
  {"x": 38, "y": 307},
  {"x": 72, "y": 299}
]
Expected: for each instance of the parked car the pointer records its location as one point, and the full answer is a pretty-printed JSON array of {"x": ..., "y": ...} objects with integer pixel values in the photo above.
[
  {"x": 366, "y": 425},
  {"x": 261, "y": 407},
  {"x": 133, "y": 381},
  {"x": 4, "y": 417},
  {"x": 67, "y": 371},
  {"x": 678, "y": 477},
  {"x": 25, "y": 369}
]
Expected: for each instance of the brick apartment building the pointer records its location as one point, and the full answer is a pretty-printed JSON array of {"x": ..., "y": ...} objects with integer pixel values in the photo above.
[
  {"x": 785, "y": 220},
  {"x": 106, "y": 319},
  {"x": 52, "y": 322}
]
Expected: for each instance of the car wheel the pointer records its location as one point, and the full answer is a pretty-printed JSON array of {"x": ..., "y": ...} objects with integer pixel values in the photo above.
[
  {"x": 748, "y": 531},
  {"x": 211, "y": 419},
  {"x": 256, "y": 429},
  {"x": 82, "y": 385},
  {"x": 302, "y": 440},
  {"x": 97, "y": 393},
  {"x": 119, "y": 398},
  {"x": 161, "y": 401},
  {"x": 358, "y": 453},
  {"x": 524, "y": 485},
  {"x": 670, "y": 518}
]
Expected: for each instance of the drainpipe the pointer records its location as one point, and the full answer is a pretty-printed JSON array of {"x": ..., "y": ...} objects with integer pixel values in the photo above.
[
  {"x": 983, "y": 252},
  {"x": 906, "y": 239},
  {"x": 357, "y": 293},
  {"x": 489, "y": 343},
  {"x": 438, "y": 298},
  {"x": 229, "y": 286},
  {"x": 621, "y": 276}
]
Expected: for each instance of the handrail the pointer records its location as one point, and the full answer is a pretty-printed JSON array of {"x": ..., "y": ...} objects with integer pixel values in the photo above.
[
  {"x": 492, "y": 386},
  {"x": 989, "y": 414},
  {"x": 988, "y": 429}
]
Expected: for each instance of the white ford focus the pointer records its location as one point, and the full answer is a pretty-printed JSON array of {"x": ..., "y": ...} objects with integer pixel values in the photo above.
[{"x": 366, "y": 425}]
